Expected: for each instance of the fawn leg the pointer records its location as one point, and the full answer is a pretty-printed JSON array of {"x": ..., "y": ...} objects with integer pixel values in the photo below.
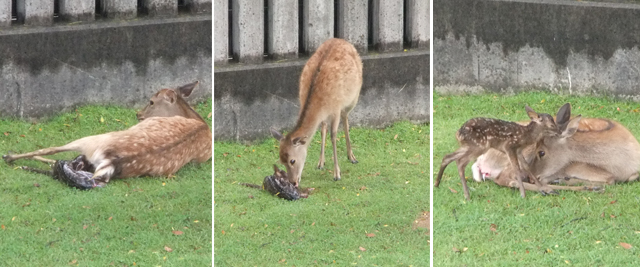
[
  {"x": 50, "y": 173},
  {"x": 323, "y": 134},
  {"x": 345, "y": 121},
  {"x": 334, "y": 134},
  {"x": 448, "y": 159},
  {"x": 462, "y": 164},
  {"x": 513, "y": 158}
]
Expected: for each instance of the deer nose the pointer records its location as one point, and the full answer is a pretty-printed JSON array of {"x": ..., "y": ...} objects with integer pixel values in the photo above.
[{"x": 139, "y": 116}]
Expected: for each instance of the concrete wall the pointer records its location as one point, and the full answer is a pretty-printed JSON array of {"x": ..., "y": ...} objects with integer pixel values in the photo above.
[
  {"x": 574, "y": 47},
  {"x": 44, "y": 70},
  {"x": 248, "y": 99}
]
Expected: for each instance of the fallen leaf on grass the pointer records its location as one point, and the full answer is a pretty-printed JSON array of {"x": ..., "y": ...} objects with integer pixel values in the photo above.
[
  {"x": 110, "y": 218},
  {"x": 168, "y": 249},
  {"x": 22, "y": 135},
  {"x": 422, "y": 221},
  {"x": 282, "y": 260},
  {"x": 73, "y": 262},
  {"x": 2, "y": 227},
  {"x": 362, "y": 249},
  {"x": 176, "y": 232},
  {"x": 455, "y": 249},
  {"x": 395, "y": 137},
  {"x": 493, "y": 227},
  {"x": 453, "y": 190},
  {"x": 626, "y": 245},
  {"x": 613, "y": 202},
  {"x": 371, "y": 235},
  {"x": 7, "y": 133},
  {"x": 209, "y": 116},
  {"x": 84, "y": 227},
  {"x": 363, "y": 188},
  {"x": 36, "y": 185}
]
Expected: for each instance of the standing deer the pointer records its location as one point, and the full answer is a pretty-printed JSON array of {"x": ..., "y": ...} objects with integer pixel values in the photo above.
[
  {"x": 478, "y": 135},
  {"x": 170, "y": 134},
  {"x": 329, "y": 88},
  {"x": 593, "y": 152}
]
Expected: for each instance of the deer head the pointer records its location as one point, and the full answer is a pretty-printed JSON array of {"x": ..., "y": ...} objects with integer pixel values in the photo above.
[
  {"x": 169, "y": 103},
  {"x": 293, "y": 154}
]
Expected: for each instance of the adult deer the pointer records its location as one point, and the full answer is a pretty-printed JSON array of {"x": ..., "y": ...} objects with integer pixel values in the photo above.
[
  {"x": 170, "y": 134},
  {"x": 478, "y": 135},
  {"x": 329, "y": 89},
  {"x": 592, "y": 152}
]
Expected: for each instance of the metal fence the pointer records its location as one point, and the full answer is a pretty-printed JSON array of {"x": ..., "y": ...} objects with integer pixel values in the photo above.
[
  {"x": 249, "y": 31},
  {"x": 47, "y": 12}
]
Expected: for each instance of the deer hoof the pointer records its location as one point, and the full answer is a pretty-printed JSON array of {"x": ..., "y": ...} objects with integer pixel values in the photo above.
[
  {"x": 320, "y": 167},
  {"x": 336, "y": 178},
  {"x": 354, "y": 161},
  {"x": 7, "y": 158}
]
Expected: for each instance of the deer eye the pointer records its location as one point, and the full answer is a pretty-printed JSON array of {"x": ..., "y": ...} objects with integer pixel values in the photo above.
[
  {"x": 541, "y": 153},
  {"x": 292, "y": 161},
  {"x": 151, "y": 103}
]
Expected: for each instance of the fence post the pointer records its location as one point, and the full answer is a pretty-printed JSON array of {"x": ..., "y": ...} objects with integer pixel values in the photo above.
[
  {"x": 120, "y": 9},
  {"x": 388, "y": 24},
  {"x": 248, "y": 30},
  {"x": 78, "y": 10},
  {"x": 283, "y": 29},
  {"x": 221, "y": 31},
  {"x": 35, "y": 12},
  {"x": 160, "y": 7},
  {"x": 417, "y": 32},
  {"x": 5, "y": 13},
  {"x": 352, "y": 22},
  {"x": 317, "y": 19},
  {"x": 200, "y": 6}
]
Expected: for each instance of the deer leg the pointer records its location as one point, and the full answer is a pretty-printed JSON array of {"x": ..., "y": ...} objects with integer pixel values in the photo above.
[
  {"x": 580, "y": 173},
  {"x": 448, "y": 159},
  {"x": 345, "y": 122},
  {"x": 41, "y": 159},
  {"x": 334, "y": 134},
  {"x": 41, "y": 152},
  {"x": 462, "y": 164},
  {"x": 513, "y": 158},
  {"x": 323, "y": 134},
  {"x": 103, "y": 173}
]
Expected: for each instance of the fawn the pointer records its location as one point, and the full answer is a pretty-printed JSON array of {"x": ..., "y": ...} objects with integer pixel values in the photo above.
[
  {"x": 170, "y": 134},
  {"x": 478, "y": 135},
  {"x": 593, "y": 151},
  {"x": 329, "y": 89}
]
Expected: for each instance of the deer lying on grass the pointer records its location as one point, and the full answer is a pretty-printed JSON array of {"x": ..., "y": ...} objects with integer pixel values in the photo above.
[
  {"x": 170, "y": 134},
  {"x": 329, "y": 88},
  {"x": 593, "y": 152},
  {"x": 478, "y": 135}
]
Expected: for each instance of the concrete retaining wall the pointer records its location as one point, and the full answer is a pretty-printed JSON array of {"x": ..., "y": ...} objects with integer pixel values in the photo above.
[
  {"x": 249, "y": 99},
  {"x": 44, "y": 70},
  {"x": 575, "y": 47}
]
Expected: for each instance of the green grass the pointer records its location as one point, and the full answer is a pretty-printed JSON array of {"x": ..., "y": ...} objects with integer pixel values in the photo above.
[
  {"x": 574, "y": 228},
  {"x": 129, "y": 222},
  {"x": 381, "y": 195}
]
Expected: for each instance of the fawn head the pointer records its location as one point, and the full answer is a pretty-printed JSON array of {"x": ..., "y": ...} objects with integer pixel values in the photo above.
[
  {"x": 293, "y": 154},
  {"x": 279, "y": 174},
  {"x": 543, "y": 124},
  {"x": 169, "y": 103}
]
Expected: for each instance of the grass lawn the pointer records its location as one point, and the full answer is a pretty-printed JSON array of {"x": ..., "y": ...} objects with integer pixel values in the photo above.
[
  {"x": 365, "y": 219},
  {"x": 573, "y": 228},
  {"x": 129, "y": 222}
]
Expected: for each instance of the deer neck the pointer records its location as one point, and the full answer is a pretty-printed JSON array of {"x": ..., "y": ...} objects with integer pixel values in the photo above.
[
  {"x": 306, "y": 127},
  {"x": 189, "y": 111}
]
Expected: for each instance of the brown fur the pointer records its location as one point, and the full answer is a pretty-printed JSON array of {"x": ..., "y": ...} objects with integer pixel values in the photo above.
[
  {"x": 595, "y": 152},
  {"x": 169, "y": 135},
  {"x": 329, "y": 89},
  {"x": 478, "y": 135}
]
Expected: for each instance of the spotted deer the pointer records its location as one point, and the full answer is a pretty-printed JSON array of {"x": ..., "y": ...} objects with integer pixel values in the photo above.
[
  {"x": 593, "y": 152},
  {"x": 329, "y": 89},
  {"x": 169, "y": 135},
  {"x": 478, "y": 135}
]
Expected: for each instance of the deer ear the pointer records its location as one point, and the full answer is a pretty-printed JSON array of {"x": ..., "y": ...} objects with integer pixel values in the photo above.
[
  {"x": 564, "y": 114},
  {"x": 170, "y": 96},
  {"x": 572, "y": 127},
  {"x": 275, "y": 169},
  {"x": 187, "y": 89},
  {"x": 277, "y": 135},
  {"x": 299, "y": 140},
  {"x": 532, "y": 114}
]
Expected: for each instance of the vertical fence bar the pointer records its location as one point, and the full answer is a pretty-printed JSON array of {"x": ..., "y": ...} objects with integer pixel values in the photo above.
[
  {"x": 120, "y": 9},
  {"x": 160, "y": 7},
  {"x": 352, "y": 22},
  {"x": 199, "y": 6},
  {"x": 35, "y": 12},
  {"x": 248, "y": 30},
  {"x": 417, "y": 31},
  {"x": 317, "y": 23},
  {"x": 78, "y": 10},
  {"x": 221, "y": 31},
  {"x": 283, "y": 27},
  {"x": 388, "y": 19},
  {"x": 5, "y": 13}
]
